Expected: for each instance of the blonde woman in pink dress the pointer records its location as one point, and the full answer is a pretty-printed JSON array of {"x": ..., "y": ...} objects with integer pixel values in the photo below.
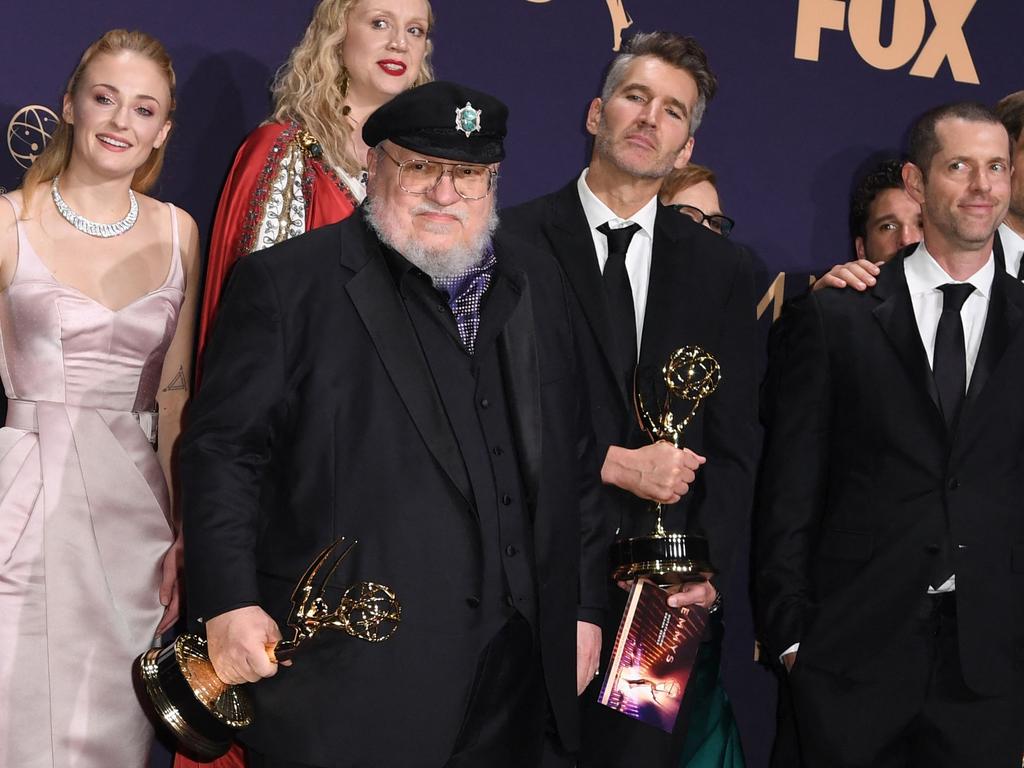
[{"x": 97, "y": 296}]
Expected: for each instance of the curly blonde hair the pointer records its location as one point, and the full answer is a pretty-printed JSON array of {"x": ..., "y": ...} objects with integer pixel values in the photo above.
[
  {"x": 57, "y": 154},
  {"x": 310, "y": 87}
]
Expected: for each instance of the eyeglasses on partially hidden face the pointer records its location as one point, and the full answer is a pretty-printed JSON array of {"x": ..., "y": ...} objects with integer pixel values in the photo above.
[{"x": 716, "y": 221}]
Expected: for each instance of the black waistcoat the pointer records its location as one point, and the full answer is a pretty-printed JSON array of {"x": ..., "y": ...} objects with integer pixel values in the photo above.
[{"x": 473, "y": 393}]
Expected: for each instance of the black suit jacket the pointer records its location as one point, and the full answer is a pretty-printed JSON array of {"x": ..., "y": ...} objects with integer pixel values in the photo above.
[
  {"x": 860, "y": 473},
  {"x": 701, "y": 292},
  {"x": 318, "y": 418}
]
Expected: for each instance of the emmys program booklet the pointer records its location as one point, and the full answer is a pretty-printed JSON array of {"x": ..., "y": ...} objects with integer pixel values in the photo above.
[{"x": 653, "y": 657}]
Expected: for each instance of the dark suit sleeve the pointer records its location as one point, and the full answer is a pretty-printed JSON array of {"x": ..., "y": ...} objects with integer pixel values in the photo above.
[
  {"x": 731, "y": 435},
  {"x": 596, "y": 519},
  {"x": 791, "y": 489},
  {"x": 226, "y": 446},
  {"x": 596, "y": 527}
]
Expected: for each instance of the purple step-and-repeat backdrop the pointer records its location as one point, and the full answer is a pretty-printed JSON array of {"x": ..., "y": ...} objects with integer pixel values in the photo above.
[{"x": 809, "y": 89}]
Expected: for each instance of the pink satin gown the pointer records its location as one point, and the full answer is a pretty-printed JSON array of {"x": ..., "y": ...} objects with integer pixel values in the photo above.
[{"x": 84, "y": 518}]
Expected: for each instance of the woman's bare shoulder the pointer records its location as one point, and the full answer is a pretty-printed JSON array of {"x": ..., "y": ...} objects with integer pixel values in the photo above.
[
  {"x": 8, "y": 218},
  {"x": 188, "y": 230}
]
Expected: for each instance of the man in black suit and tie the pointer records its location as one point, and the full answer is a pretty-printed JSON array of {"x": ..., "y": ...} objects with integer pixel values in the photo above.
[
  {"x": 649, "y": 281},
  {"x": 890, "y": 534},
  {"x": 406, "y": 378}
]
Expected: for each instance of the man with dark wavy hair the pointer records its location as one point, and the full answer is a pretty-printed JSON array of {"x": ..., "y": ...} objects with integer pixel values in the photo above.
[{"x": 883, "y": 217}]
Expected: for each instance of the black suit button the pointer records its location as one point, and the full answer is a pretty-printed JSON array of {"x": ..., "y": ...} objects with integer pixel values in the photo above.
[
  {"x": 953, "y": 484},
  {"x": 511, "y": 551},
  {"x": 473, "y": 601},
  {"x": 497, "y": 450},
  {"x": 484, "y": 403},
  {"x": 932, "y": 549},
  {"x": 510, "y": 600},
  {"x": 506, "y": 499}
]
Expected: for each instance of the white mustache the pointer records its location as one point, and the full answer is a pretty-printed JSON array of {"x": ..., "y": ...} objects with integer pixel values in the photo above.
[{"x": 426, "y": 207}]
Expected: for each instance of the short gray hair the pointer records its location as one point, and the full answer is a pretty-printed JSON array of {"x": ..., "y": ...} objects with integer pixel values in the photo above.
[{"x": 680, "y": 51}]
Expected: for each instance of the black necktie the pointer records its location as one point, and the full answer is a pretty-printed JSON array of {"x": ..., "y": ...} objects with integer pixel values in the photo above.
[
  {"x": 949, "y": 366},
  {"x": 949, "y": 362},
  {"x": 620, "y": 299}
]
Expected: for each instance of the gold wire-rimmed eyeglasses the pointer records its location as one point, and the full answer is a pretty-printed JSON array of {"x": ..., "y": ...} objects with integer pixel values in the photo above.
[{"x": 418, "y": 176}]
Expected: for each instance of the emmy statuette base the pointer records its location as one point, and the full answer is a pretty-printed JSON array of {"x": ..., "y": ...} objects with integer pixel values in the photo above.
[
  {"x": 666, "y": 559},
  {"x": 187, "y": 697}
]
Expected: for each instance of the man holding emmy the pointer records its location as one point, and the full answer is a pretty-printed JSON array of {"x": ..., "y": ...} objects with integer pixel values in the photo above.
[
  {"x": 405, "y": 378},
  {"x": 890, "y": 557},
  {"x": 650, "y": 281}
]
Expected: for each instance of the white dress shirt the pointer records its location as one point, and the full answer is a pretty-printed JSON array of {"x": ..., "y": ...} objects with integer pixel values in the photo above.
[
  {"x": 1013, "y": 248},
  {"x": 924, "y": 276},
  {"x": 638, "y": 257}
]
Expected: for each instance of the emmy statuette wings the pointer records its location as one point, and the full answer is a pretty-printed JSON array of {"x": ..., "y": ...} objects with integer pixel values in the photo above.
[{"x": 203, "y": 712}]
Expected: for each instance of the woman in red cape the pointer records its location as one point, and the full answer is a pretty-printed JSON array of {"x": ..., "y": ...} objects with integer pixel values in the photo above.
[{"x": 304, "y": 167}]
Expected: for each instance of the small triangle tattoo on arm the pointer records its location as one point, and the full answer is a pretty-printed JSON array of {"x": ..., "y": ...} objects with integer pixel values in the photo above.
[{"x": 178, "y": 382}]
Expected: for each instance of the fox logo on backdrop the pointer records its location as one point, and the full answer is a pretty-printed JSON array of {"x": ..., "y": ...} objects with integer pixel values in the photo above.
[{"x": 910, "y": 39}]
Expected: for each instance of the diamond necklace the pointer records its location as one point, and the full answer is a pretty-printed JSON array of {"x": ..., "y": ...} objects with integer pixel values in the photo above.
[{"x": 93, "y": 228}]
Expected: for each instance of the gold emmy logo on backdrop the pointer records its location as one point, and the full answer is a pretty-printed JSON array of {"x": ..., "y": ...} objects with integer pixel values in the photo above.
[
  {"x": 864, "y": 19},
  {"x": 28, "y": 132},
  {"x": 202, "y": 711},
  {"x": 621, "y": 20},
  {"x": 691, "y": 375}
]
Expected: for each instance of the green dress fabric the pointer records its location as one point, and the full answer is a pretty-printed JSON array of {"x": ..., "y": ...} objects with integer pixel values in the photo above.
[{"x": 712, "y": 736}]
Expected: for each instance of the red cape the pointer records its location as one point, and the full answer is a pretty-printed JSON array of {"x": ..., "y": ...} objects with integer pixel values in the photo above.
[{"x": 241, "y": 208}]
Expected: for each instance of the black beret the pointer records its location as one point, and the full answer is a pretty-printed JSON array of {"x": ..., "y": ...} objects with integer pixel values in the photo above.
[{"x": 442, "y": 119}]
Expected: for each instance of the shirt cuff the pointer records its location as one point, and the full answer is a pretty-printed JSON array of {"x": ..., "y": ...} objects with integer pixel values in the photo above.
[{"x": 792, "y": 649}]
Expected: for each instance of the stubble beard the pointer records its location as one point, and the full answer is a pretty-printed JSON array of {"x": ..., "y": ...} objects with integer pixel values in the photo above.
[
  {"x": 964, "y": 235},
  {"x": 435, "y": 262},
  {"x": 606, "y": 148}
]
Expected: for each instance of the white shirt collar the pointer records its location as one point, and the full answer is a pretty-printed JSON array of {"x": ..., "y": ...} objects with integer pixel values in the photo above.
[
  {"x": 1013, "y": 248},
  {"x": 924, "y": 274},
  {"x": 598, "y": 213}
]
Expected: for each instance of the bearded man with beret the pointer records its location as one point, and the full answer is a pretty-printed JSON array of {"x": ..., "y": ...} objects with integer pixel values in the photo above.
[{"x": 405, "y": 378}]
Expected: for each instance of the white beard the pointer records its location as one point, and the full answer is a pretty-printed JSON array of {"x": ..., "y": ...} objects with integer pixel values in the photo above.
[{"x": 437, "y": 263}]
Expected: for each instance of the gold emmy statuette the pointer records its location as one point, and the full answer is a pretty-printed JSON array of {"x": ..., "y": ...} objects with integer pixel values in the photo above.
[
  {"x": 203, "y": 712},
  {"x": 690, "y": 375}
]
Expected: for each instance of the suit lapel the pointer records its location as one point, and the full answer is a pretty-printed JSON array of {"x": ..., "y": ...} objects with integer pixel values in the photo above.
[
  {"x": 670, "y": 293},
  {"x": 1001, "y": 323},
  {"x": 517, "y": 355},
  {"x": 569, "y": 234},
  {"x": 896, "y": 316},
  {"x": 998, "y": 254},
  {"x": 373, "y": 293}
]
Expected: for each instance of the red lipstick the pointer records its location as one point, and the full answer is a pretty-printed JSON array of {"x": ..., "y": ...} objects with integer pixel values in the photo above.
[{"x": 392, "y": 67}]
